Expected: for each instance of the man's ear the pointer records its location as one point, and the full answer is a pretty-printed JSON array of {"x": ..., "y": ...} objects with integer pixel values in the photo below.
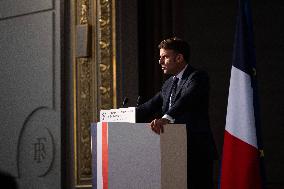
[{"x": 179, "y": 58}]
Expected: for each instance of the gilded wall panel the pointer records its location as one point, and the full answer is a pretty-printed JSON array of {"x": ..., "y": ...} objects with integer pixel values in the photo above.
[{"x": 94, "y": 78}]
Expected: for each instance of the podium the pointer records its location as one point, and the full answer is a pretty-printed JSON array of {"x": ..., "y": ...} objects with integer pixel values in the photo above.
[{"x": 131, "y": 156}]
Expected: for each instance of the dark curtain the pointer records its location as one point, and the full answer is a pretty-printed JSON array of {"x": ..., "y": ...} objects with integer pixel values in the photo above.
[{"x": 158, "y": 19}]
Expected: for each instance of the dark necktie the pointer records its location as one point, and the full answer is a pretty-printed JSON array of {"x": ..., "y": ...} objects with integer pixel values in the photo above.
[{"x": 173, "y": 91}]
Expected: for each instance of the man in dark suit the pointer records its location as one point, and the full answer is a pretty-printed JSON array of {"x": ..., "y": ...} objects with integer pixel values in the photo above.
[{"x": 184, "y": 99}]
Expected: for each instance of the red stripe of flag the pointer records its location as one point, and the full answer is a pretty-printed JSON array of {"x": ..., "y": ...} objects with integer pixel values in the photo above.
[
  {"x": 240, "y": 165},
  {"x": 105, "y": 154}
]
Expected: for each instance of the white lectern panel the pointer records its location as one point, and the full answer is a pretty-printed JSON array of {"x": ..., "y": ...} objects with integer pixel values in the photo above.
[{"x": 132, "y": 156}]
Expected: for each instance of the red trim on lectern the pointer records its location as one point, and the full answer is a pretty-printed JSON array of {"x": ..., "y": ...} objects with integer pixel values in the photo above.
[{"x": 105, "y": 154}]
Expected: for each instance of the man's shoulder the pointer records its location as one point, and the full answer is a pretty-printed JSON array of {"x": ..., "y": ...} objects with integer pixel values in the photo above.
[
  {"x": 197, "y": 76},
  {"x": 197, "y": 72},
  {"x": 201, "y": 73}
]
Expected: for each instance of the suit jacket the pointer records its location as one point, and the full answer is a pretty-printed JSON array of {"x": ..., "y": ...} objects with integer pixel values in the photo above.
[{"x": 190, "y": 107}]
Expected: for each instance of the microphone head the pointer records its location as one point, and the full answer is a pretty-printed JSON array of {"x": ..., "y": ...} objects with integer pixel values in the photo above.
[
  {"x": 125, "y": 100},
  {"x": 138, "y": 102}
]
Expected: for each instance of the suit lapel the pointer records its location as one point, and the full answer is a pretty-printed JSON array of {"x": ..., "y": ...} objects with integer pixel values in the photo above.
[
  {"x": 189, "y": 70},
  {"x": 168, "y": 93}
]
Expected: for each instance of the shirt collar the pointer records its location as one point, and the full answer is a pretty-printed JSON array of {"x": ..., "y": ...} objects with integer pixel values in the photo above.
[{"x": 179, "y": 75}]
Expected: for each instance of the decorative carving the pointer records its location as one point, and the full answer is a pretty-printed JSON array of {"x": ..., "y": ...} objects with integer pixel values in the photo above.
[
  {"x": 94, "y": 83},
  {"x": 84, "y": 12},
  {"x": 85, "y": 116},
  {"x": 106, "y": 64},
  {"x": 83, "y": 100}
]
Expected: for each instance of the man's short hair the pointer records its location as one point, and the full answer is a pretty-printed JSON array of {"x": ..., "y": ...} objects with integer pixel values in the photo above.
[{"x": 178, "y": 45}]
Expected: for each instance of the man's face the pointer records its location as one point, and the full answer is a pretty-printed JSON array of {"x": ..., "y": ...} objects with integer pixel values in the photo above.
[{"x": 169, "y": 61}]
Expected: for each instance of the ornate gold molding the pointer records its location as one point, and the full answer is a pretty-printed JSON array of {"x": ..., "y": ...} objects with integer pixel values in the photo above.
[
  {"x": 107, "y": 68},
  {"x": 94, "y": 79},
  {"x": 84, "y": 7}
]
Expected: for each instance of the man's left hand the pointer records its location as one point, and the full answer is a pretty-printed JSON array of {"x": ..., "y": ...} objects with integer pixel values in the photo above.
[{"x": 157, "y": 125}]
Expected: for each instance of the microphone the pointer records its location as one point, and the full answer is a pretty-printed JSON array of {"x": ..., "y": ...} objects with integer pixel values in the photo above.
[
  {"x": 138, "y": 101},
  {"x": 124, "y": 102}
]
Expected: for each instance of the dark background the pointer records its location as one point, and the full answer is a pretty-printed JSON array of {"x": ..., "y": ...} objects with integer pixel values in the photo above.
[{"x": 209, "y": 26}]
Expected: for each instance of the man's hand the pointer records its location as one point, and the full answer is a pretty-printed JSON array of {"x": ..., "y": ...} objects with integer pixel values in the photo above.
[{"x": 157, "y": 125}]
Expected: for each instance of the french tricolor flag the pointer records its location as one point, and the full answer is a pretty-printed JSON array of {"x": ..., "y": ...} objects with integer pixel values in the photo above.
[{"x": 241, "y": 166}]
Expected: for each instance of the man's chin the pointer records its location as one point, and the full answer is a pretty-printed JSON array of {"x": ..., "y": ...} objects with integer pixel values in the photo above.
[{"x": 167, "y": 72}]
